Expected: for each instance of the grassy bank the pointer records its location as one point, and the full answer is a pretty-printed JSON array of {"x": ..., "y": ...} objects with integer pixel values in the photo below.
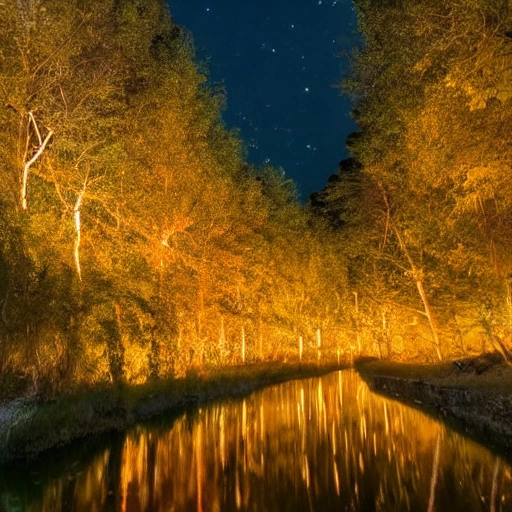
[
  {"x": 32, "y": 426},
  {"x": 486, "y": 373}
]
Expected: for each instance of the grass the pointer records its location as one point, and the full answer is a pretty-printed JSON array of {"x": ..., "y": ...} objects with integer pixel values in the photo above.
[
  {"x": 496, "y": 378},
  {"x": 392, "y": 368},
  {"x": 109, "y": 408}
]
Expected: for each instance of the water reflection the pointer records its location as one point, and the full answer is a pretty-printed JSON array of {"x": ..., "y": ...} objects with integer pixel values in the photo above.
[{"x": 314, "y": 445}]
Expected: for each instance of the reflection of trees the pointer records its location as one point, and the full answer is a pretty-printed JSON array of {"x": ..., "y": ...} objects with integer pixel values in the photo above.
[{"x": 316, "y": 444}]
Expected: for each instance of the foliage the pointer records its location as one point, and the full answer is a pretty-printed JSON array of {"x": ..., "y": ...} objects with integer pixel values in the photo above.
[
  {"x": 424, "y": 219},
  {"x": 135, "y": 242}
]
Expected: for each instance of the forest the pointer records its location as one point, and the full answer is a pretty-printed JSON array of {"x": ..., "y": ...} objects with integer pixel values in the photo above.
[
  {"x": 137, "y": 243},
  {"x": 423, "y": 210}
]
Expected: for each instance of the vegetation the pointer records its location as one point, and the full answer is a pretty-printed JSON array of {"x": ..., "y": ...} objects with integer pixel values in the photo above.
[
  {"x": 484, "y": 373},
  {"x": 422, "y": 212},
  {"x": 138, "y": 245}
]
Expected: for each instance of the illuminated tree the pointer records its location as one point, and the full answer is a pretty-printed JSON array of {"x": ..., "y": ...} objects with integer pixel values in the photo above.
[
  {"x": 431, "y": 88},
  {"x": 135, "y": 242}
]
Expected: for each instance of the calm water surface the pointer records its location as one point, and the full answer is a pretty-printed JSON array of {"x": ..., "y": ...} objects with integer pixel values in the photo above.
[{"x": 322, "y": 444}]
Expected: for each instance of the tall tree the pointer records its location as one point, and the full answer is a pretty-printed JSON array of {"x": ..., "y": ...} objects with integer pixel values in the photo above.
[{"x": 431, "y": 88}]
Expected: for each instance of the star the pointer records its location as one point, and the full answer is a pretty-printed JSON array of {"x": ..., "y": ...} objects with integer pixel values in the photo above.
[{"x": 258, "y": 50}]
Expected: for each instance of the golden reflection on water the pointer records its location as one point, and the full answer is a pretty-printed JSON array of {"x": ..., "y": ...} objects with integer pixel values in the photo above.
[{"x": 314, "y": 445}]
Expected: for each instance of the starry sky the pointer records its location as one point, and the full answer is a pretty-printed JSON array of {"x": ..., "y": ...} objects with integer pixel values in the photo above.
[{"x": 279, "y": 61}]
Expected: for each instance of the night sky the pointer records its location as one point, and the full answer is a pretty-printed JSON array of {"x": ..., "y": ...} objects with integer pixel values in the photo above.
[{"x": 280, "y": 63}]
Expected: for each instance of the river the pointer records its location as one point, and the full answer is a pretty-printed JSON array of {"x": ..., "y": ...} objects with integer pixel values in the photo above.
[{"x": 321, "y": 444}]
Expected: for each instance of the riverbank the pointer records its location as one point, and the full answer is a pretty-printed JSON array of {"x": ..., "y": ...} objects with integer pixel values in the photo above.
[
  {"x": 474, "y": 395},
  {"x": 30, "y": 426}
]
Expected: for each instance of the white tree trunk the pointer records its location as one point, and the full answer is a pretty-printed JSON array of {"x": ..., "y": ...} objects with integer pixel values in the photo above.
[
  {"x": 243, "y": 345},
  {"x": 37, "y": 154},
  {"x": 76, "y": 211}
]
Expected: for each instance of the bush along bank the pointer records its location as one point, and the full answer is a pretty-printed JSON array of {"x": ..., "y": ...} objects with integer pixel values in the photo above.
[
  {"x": 30, "y": 426},
  {"x": 476, "y": 404}
]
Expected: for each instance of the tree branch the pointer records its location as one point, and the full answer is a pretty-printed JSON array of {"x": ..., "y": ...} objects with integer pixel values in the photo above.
[{"x": 27, "y": 166}]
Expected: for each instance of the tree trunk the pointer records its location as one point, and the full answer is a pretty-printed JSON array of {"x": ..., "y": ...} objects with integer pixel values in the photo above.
[
  {"x": 78, "y": 230},
  {"x": 416, "y": 274},
  {"x": 260, "y": 336},
  {"x": 385, "y": 333},
  {"x": 28, "y": 163},
  {"x": 115, "y": 349},
  {"x": 243, "y": 344},
  {"x": 200, "y": 318},
  {"x": 430, "y": 317},
  {"x": 222, "y": 341},
  {"x": 358, "y": 335}
]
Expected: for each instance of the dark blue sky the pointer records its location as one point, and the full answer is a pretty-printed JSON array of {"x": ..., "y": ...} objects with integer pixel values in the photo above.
[{"x": 279, "y": 62}]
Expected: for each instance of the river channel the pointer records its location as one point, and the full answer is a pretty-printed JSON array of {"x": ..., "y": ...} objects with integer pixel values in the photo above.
[{"x": 321, "y": 444}]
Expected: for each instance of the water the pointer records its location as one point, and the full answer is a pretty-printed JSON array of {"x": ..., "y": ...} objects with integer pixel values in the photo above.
[{"x": 322, "y": 444}]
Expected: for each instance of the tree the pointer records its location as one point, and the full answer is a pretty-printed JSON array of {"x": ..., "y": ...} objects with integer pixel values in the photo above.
[{"x": 429, "y": 88}]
